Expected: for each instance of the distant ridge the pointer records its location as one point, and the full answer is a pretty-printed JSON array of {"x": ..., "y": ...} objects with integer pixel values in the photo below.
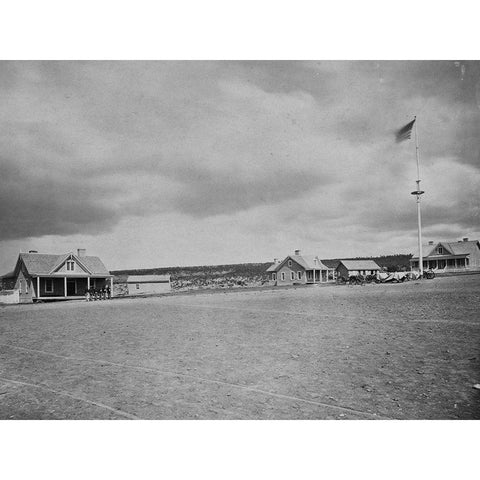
[{"x": 240, "y": 274}]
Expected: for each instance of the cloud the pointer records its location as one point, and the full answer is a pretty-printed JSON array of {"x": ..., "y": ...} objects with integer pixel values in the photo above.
[{"x": 305, "y": 147}]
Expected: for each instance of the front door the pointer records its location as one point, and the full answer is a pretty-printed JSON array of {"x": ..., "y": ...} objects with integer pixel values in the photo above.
[{"x": 71, "y": 288}]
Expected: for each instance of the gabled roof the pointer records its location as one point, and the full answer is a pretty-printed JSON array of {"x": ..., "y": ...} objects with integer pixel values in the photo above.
[
  {"x": 452, "y": 248},
  {"x": 273, "y": 267},
  {"x": 307, "y": 262},
  {"x": 360, "y": 264},
  {"x": 43, "y": 263},
  {"x": 148, "y": 278},
  {"x": 460, "y": 248}
]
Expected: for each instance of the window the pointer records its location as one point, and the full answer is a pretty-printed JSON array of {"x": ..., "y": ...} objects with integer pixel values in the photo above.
[
  {"x": 70, "y": 265},
  {"x": 137, "y": 286},
  {"x": 283, "y": 276},
  {"x": 49, "y": 285},
  {"x": 26, "y": 286},
  {"x": 20, "y": 285},
  {"x": 274, "y": 276},
  {"x": 292, "y": 275},
  {"x": 289, "y": 263},
  {"x": 440, "y": 250},
  {"x": 299, "y": 275}
]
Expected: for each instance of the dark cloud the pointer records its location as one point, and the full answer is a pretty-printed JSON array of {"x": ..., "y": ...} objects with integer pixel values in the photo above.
[
  {"x": 33, "y": 206},
  {"x": 86, "y": 143}
]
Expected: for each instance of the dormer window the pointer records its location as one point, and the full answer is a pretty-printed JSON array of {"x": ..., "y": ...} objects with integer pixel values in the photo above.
[
  {"x": 70, "y": 265},
  {"x": 440, "y": 250}
]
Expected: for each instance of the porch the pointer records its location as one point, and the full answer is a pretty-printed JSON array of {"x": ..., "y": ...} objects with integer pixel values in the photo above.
[
  {"x": 446, "y": 263},
  {"x": 320, "y": 276},
  {"x": 56, "y": 287}
]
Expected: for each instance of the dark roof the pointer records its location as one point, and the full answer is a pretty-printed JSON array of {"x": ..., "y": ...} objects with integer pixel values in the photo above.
[
  {"x": 44, "y": 263},
  {"x": 331, "y": 263}
]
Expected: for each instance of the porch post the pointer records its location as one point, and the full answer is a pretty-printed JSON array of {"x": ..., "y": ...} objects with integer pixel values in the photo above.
[
  {"x": 38, "y": 287},
  {"x": 65, "y": 286},
  {"x": 88, "y": 283},
  {"x": 111, "y": 286}
]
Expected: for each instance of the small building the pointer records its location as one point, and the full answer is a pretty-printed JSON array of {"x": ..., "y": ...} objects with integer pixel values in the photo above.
[
  {"x": 41, "y": 276},
  {"x": 463, "y": 255},
  {"x": 148, "y": 284},
  {"x": 349, "y": 268},
  {"x": 300, "y": 269}
]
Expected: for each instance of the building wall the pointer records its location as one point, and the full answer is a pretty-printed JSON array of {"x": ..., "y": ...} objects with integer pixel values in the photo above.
[
  {"x": 25, "y": 288},
  {"x": 148, "y": 288},
  {"x": 295, "y": 268},
  {"x": 9, "y": 296},
  {"x": 77, "y": 269},
  {"x": 475, "y": 258},
  {"x": 58, "y": 287},
  {"x": 97, "y": 282},
  {"x": 342, "y": 271}
]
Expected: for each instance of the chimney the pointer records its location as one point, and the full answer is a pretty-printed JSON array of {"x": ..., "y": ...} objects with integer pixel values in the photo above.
[
  {"x": 33, "y": 251},
  {"x": 81, "y": 252},
  {"x": 430, "y": 242},
  {"x": 297, "y": 252},
  {"x": 275, "y": 260},
  {"x": 465, "y": 239}
]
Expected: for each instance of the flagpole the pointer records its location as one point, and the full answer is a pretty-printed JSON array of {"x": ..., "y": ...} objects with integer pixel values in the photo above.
[{"x": 418, "y": 194}]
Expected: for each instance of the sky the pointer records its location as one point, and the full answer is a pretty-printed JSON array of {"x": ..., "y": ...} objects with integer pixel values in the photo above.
[{"x": 166, "y": 163}]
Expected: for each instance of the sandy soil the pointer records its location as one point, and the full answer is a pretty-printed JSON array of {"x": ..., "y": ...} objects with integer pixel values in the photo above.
[{"x": 402, "y": 351}]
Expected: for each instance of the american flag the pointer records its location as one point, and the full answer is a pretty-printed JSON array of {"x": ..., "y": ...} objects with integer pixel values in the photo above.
[{"x": 405, "y": 133}]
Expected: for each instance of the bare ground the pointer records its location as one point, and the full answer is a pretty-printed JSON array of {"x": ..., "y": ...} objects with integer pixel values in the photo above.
[{"x": 405, "y": 351}]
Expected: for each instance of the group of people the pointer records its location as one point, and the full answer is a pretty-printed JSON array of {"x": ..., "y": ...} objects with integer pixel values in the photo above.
[{"x": 102, "y": 293}]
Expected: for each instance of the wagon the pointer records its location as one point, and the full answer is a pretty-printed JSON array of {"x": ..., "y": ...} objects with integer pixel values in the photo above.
[{"x": 399, "y": 277}]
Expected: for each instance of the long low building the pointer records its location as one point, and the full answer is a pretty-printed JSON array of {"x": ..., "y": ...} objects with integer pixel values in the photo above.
[
  {"x": 349, "y": 268},
  {"x": 460, "y": 256},
  {"x": 148, "y": 284}
]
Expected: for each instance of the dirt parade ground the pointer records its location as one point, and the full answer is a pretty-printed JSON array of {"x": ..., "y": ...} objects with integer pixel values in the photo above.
[{"x": 379, "y": 351}]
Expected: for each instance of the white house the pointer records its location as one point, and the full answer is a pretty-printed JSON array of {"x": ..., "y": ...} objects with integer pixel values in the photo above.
[{"x": 148, "y": 284}]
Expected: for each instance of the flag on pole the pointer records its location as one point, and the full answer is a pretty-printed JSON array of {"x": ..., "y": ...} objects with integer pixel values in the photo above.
[{"x": 405, "y": 133}]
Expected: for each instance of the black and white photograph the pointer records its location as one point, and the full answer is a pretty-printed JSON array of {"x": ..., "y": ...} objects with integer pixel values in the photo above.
[{"x": 239, "y": 239}]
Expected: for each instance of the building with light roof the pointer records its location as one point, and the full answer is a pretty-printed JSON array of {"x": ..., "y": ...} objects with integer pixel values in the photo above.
[
  {"x": 300, "y": 269},
  {"x": 41, "y": 276},
  {"x": 460, "y": 256}
]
